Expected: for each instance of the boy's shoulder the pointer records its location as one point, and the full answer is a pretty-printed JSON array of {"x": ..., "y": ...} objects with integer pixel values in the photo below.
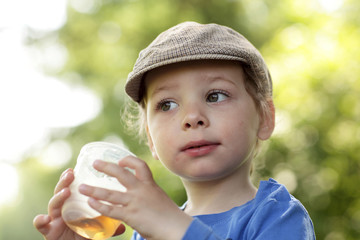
[
  {"x": 275, "y": 197},
  {"x": 272, "y": 190},
  {"x": 275, "y": 208}
]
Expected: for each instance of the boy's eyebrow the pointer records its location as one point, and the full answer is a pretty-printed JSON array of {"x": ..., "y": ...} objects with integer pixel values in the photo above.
[
  {"x": 216, "y": 78},
  {"x": 163, "y": 88}
]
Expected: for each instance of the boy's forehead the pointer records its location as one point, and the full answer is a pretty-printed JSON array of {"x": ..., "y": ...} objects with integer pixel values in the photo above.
[
  {"x": 211, "y": 67},
  {"x": 211, "y": 71}
]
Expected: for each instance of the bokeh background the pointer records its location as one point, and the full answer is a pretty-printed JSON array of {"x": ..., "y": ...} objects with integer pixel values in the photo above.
[{"x": 63, "y": 65}]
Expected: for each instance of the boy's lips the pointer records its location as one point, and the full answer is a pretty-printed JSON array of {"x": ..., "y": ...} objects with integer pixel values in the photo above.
[{"x": 198, "y": 148}]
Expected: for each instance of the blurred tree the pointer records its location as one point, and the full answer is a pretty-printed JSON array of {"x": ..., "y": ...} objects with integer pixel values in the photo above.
[{"x": 312, "y": 50}]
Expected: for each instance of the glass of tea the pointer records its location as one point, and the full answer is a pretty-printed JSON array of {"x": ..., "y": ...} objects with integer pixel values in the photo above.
[{"x": 76, "y": 212}]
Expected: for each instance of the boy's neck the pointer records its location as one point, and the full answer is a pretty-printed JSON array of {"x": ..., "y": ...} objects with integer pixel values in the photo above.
[{"x": 219, "y": 195}]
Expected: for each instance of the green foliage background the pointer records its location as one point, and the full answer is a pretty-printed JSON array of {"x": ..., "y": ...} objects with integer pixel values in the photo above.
[{"x": 314, "y": 58}]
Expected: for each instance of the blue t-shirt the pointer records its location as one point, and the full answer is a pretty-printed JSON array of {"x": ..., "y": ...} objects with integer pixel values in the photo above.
[{"x": 274, "y": 214}]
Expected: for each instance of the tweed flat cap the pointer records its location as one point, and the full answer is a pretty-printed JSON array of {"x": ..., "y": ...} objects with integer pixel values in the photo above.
[{"x": 193, "y": 41}]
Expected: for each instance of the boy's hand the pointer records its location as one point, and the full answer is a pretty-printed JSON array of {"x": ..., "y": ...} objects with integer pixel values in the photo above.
[
  {"x": 52, "y": 226},
  {"x": 144, "y": 206}
]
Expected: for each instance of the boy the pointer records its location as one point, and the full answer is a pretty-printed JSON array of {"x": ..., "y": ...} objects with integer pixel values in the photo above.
[{"x": 206, "y": 97}]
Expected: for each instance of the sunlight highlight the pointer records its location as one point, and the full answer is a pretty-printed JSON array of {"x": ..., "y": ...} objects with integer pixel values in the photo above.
[
  {"x": 31, "y": 102},
  {"x": 32, "y": 14},
  {"x": 331, "y": 5},
  {"x": 57, "y": 154},
  {"x": 288, "y": 178},
  {"x": 9, "y": 183}
]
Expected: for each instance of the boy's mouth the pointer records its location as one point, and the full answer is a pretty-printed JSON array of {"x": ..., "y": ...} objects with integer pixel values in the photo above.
[
  {"x": 194, "y": 145},
  {"x": 201, "y": 148}
]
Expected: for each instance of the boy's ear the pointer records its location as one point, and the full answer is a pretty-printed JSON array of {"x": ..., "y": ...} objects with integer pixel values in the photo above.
[
  {"x": 267, "y": 122},
  {"x": 151, "y": 143}
]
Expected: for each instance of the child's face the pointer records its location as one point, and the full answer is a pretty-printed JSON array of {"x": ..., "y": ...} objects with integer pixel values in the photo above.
[{"x": 201, "y": 122}]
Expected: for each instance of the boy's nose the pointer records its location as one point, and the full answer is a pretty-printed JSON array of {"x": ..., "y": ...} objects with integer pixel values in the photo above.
[{"x": 194, "y": 118}]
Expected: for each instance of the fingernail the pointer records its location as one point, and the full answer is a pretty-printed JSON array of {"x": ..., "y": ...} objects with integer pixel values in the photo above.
[
  {"x": 98, "y": 163},
  {"x": 63, "y": 174},
  {"x": 83, "y": 188},
  {"x": 66, "y": 175},
  {"x": 62, "y": 191}
]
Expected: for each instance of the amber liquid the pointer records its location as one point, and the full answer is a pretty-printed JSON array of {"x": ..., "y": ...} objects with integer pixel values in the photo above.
[{"x": 98, "y": 228}]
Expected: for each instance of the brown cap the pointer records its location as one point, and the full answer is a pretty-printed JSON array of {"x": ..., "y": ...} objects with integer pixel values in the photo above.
[{"x": 193, "y": 41}]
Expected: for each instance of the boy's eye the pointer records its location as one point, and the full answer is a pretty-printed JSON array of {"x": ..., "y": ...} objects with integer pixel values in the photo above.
[
  {"x": 216, "y": 97},
  {"x": 166, "y": 106}
]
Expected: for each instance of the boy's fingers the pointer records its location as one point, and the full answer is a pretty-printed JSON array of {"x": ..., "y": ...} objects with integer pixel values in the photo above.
[
  {"x": 41, "y": 223},
  {"x": 142, "y": 170},
  {"x": 107, "y": 210},
  {"x": 56, "y": 202},
  {"x": 65, "y": 172},
  {"x": 125, "y": 177},
  {"x": 111, "y": 196},
  {"x": 65, "y": 180}
]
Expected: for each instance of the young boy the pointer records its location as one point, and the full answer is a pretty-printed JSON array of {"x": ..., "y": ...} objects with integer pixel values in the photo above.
[{"x": 206, "y": 97}]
